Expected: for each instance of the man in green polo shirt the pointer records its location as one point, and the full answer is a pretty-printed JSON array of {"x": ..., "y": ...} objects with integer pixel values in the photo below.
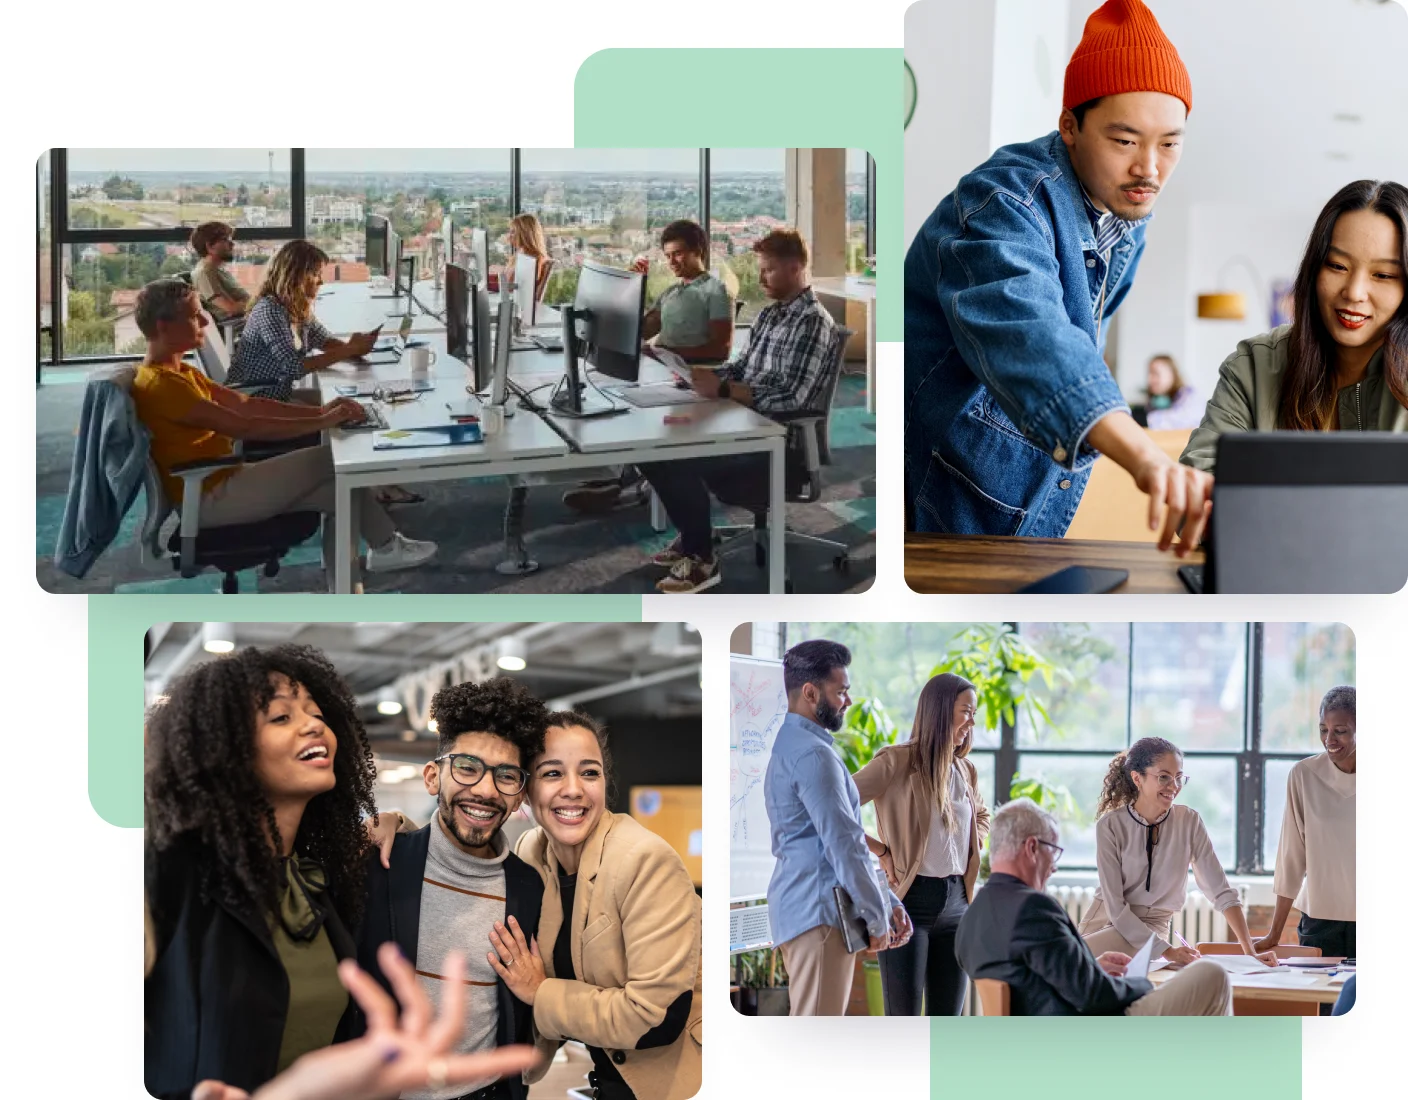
[{"x": 220, "y": 293}]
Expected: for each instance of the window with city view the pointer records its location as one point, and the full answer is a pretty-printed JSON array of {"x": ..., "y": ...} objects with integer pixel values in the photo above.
[
  {"x": 747, "y": 200},
  {"x": 607, "y": 205}
]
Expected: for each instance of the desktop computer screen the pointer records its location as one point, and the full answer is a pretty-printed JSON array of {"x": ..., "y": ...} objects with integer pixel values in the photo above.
[
  {"x": 615, "y": 301},
  {"x": 479, "y": 245},
  {"x": 458, "y": 341},
  {"x": 377, "y": 229},
  {"x": 525, "y": 289}
]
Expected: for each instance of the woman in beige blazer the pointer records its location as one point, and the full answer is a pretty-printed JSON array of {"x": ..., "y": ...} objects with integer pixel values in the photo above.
[
  {"x": 932, "y": 825},
  {"x": 618, "y": 967}
]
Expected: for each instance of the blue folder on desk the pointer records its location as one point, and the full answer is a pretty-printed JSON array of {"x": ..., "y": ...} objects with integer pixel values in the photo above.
[{"x": 442, "y": 435}]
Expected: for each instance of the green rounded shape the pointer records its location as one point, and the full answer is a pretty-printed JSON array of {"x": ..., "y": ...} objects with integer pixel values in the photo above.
[{"x": 911, "y": 94}]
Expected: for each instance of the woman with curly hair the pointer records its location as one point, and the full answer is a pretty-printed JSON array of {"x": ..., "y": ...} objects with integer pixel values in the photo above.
[
  {"x": 1144, "y": 847},
  {"x": 615, "y": 963},
  {"x": 282, "y": 340},
  {"x": 258, "y": 776}
]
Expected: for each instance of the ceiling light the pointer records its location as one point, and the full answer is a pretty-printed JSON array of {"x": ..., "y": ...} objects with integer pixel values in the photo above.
[
  {"x": 387, "y": 702},
  {"x": 218, "y": 637},
  {"x": 513, "y": 654}
]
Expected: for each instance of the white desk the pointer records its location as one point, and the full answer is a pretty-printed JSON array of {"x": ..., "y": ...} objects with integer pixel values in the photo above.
[
  {"x": 345, "y": 308},
  {"x": 855, "y": 289},
  {"x": 533, "y": 444}
]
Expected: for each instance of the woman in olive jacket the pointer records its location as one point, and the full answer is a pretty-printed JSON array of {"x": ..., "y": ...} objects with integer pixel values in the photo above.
[
  {"x": 1342, "y": 363},
  {"x": 619, "y": 964},
  {"x": 932, "y": 825}
]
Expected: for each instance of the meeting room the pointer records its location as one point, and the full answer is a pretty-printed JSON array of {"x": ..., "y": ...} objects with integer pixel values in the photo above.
[
  {"x": 1042, "y": 819},
  {"x": 1155, "y": 310},
  {"x": 494, "y": 826},
  {"x": 456, "y": 370}
]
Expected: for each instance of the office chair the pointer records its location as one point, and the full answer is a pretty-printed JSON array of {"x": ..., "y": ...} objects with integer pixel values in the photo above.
[
  {"x": 803, "y": 462},
  {"x": 228, "y": 549}
]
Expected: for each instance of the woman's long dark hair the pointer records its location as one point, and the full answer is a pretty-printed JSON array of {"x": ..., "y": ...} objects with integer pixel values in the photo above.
[
  {"x": 201, "y": 783},
  {"x": 1309, "y": 390},
  {"x": 933, "y": 741}
]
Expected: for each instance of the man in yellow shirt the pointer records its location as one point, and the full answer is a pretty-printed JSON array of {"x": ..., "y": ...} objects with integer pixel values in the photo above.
[{"x": 190, "y": 418}]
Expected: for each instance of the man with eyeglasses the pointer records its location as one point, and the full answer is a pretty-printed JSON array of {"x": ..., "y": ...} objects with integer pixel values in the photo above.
[
  {"x": 449, "y": 882},
  {"x": 1017, "y": 933}
]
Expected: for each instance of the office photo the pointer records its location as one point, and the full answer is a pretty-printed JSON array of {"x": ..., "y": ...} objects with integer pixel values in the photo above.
[
  {"x": 440, "y": 861},
  {"x": 1042, "y": 819},
  {"x": 456, "y": 370},
  {"x": 1156, "y": 331}
]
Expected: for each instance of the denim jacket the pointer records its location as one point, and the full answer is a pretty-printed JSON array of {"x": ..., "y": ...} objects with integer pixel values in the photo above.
[
  {"x": 1004, "y": 373},
  {"x": 109, "y": 466}
]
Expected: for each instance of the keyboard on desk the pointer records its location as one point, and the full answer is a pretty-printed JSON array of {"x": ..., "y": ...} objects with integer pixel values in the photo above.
[
  {"x": 663, "y": 393},
  {"x": 375, "y": 421}
]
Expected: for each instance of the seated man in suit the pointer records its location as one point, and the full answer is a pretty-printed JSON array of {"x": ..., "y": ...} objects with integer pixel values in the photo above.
[
  {"x": 792, "y": 347},
  {"x": 449, "y": 882},
  {"x": 1015, "y": 932}
]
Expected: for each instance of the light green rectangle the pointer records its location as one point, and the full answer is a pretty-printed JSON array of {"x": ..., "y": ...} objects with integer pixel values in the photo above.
[
  {"x": 821, "y": 99},
  {"x": 116, "y": 625}
]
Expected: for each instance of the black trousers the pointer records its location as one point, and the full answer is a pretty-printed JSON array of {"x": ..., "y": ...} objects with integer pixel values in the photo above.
[
  {"x": 925, "y": 969},
  {"x": 683, "y": 488},
  {"x": 1333, "y": 937}
]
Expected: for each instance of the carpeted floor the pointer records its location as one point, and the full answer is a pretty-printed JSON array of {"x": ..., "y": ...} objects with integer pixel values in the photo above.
[{"x": 576, "y": 553}]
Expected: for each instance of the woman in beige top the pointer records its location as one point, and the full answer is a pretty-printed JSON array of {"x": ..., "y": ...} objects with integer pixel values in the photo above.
[
  {"x": 1144, "y": 847},
  {"x": 932, "y": 825},
  {"x": 1315, "y": 859}
]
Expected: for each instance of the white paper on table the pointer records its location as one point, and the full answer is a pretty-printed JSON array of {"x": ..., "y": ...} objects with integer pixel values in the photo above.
[
  {"x": 1276, "y": 978},
  {"x": 1157, "y": 964},
  {"x": 1139, "y": 965},
  {"x": 1240, "y": 964}
]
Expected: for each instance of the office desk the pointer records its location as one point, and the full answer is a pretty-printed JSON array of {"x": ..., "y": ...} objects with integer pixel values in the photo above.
[
  {"x": 432, "y": 299},
  {"x": 987, "y": 564},
  {"x": 1250, "y": 999},
  {"x": 541, "y": 443},
  {"x": 345, "y": 308},
  {"x": 855, "y": 289}
]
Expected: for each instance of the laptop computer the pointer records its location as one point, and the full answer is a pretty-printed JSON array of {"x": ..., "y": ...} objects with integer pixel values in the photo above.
[
  {"x": 1307, "y": 512},
  {"x": 398, "y": 343}
]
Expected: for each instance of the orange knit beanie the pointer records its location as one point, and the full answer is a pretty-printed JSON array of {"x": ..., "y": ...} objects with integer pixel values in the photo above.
[{"x": 1124, "y": 50}]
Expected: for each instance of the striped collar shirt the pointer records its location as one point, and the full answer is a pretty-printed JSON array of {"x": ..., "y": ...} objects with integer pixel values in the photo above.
[{"x": 1109, "y": 229}]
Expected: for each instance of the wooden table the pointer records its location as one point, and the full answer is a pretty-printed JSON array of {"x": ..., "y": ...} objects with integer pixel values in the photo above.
[
  {"x": 989, "y": 564},
  {"x": 1261, "y": 1000}
]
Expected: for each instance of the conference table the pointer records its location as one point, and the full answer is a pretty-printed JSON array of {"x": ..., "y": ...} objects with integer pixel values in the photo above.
[
  {"x": 985, "y": 564},
  {"x": 854, "y": 288},
  {"x": 534, "y": 440},
  {"x": 1252, "y": 995}
]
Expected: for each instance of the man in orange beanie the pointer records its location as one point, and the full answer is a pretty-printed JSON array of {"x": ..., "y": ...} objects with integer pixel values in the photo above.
[{"x": 1009, "y": 290}]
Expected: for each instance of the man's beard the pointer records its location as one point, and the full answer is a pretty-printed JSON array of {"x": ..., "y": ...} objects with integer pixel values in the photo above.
[
  {"x": 469, "y": 835},
  {"x": 829, "y": 717}
]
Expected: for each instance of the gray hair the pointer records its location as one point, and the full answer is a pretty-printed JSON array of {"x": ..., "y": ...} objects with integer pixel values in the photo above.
[
  {"x": 1014, "y": 822},
  {"x": 1338, "y": 698},
  {"x": 160, "y": 301}
]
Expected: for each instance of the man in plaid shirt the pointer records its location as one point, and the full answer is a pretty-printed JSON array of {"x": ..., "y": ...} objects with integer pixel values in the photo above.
[{"x": 793, "y": 343}]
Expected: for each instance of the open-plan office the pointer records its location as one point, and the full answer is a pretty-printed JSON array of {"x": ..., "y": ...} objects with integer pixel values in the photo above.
[{"x": 493, "y": 429}]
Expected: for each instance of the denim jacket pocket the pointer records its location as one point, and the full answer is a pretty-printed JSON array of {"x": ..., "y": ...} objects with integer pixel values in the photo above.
[{"x": 965, "y": 509}]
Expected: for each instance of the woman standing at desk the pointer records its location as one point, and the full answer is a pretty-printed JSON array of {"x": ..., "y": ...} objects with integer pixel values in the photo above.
[
  {"x": 618, "y": 965},
  {"x": 1342, "y": 363},
  {"x": 525, "y": 238},
  {"x": 1315, "y": 858},
  {"x": 282, "y": 340},
  {"x": 1144, "y": 846},
  {"x": 932, "y": 824}
]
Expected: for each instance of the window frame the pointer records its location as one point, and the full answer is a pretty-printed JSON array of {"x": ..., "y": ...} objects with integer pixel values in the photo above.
[{"x": 61, "y": 236}]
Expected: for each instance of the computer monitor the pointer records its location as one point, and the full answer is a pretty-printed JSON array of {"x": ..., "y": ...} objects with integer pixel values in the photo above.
[
  {"x": 525, "y": 289},
  {"x": 503, "y": 345},
  {"x": 447, "y": 238},
  {"x": 479, "y": 245},
  {"x": 1281, "y": 496},
  {"x": 613, "y": 301},
  {"x": 377, "y": 229},
  {"x": 481, "y": 337},
  {"x": 458, "y": 339}
]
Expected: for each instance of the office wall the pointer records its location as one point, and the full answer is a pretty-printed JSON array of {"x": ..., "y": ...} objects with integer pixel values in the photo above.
[
  {"x": 1029, "y": 70},
  {"x": 654, "y": 752}
]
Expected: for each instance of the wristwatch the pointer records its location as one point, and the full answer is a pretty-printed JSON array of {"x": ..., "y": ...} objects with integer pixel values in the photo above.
[{"x": 724, "y": 389}]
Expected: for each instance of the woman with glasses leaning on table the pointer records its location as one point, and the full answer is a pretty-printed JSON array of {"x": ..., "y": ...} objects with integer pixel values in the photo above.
[{"x": 1145, "y": 844}]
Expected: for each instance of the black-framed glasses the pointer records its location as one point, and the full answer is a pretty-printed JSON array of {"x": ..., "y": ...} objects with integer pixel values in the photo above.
[
  {"x": 1059, "y": 849},
  {"x": 468, "y": 769}
]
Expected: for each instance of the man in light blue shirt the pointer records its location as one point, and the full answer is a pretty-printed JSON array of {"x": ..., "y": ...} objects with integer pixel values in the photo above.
[{"x": 817, "y": 837}]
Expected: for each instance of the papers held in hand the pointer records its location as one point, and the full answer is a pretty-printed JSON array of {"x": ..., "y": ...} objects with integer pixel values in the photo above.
[
  {"x": 1139, "y": 965},
  {"x": 854, "y": 932}
]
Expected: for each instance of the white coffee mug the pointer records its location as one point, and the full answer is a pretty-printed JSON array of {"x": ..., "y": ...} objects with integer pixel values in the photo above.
[
  {"x": 419, "y": 360},
  {"x": 491, "y": 420}
]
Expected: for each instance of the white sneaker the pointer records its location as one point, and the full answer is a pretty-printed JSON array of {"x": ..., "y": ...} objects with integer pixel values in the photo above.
[{"x": 400, "y": 553}]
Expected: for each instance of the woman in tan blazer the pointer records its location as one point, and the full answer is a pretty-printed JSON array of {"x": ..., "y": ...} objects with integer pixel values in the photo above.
[
  {"x": 932, "y": 825},
  {"x": 618, "y": 967}
]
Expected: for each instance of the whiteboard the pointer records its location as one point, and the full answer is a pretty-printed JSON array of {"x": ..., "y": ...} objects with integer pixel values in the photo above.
[{"x": 757, "y": 705}]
